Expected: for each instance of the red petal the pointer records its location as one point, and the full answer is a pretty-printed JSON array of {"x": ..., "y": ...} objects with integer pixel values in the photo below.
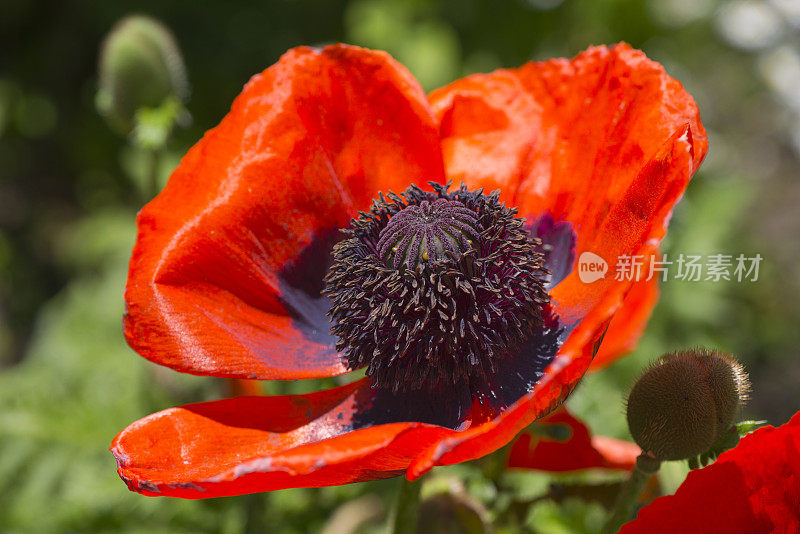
[
  {"x": 754, "y": 487},
  {"x": 252, "y": 444},
  {"x": 227, "y": 268},
  {"x": 564, "y": 136},
  {"x": 351, "y": 433},
  {"x": 580, "y": 451}
]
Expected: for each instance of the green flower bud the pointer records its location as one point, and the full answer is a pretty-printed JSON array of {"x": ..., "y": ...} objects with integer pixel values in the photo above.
[
  {"x": 140, "y": 67},
  {"x": 685, "y": 402}
]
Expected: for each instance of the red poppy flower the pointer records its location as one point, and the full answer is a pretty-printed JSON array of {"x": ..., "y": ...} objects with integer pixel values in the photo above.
[
  {"x": 750, "y": 489},
  {"x": 227, "y": 273},
  {"x": 577, "y": 450}
]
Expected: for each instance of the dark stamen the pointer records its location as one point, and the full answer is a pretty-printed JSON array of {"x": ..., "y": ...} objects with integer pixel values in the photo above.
[{"x": 432, "y": 288}]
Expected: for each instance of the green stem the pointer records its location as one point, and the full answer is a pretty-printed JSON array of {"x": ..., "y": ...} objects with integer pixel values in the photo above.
[
  {"x": 256, "y": 520},
  {"x": 628, "y": 496},
  {"x": 406, "y": 508},
  {"x": 494, "y": 465}
]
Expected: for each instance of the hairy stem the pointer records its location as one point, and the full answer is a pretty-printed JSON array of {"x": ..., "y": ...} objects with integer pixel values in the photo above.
[
  {"x": 628, "y": 496},
  {"x": 406, "y": 508}
]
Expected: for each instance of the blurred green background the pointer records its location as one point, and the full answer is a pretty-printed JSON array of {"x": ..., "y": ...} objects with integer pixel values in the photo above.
[{"x": 70, "y": 188}]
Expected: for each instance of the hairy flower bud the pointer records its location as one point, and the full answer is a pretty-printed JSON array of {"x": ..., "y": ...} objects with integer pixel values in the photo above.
[
  {"x": 140, "y": 66},
  {"x": 685, "y": 401}
]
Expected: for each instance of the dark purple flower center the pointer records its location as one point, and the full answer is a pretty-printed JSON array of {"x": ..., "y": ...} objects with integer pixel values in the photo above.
[{"x": 431, "y": 289}]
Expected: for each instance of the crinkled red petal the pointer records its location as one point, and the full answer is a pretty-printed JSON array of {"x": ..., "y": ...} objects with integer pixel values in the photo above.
[
  {"x": 221, "y": 281},
  {"x": 532, "y": 450},
  {"x": 567, "y": 137},
  {"x": 752, "y": 488},
  {"x": 252, "y": 444}
]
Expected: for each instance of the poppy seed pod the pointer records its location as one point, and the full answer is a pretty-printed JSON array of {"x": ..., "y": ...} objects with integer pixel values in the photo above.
[
  {"x": 140, "y": 66},
  {"x": 685, "y": 402}
]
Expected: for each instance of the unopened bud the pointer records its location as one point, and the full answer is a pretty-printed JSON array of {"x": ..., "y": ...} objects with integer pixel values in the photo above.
[
  {"x": 685, "y": 402},
  {"x": 140, "y": 66}
]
